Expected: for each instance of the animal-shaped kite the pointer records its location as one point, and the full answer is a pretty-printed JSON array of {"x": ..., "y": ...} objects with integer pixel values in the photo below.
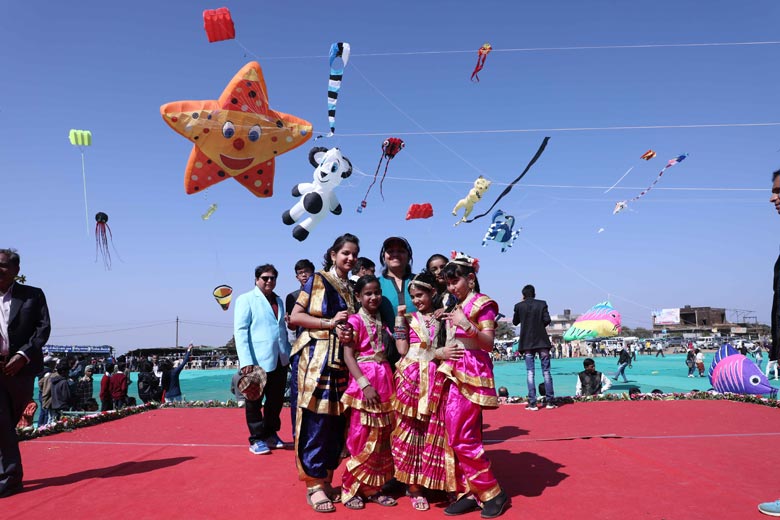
[
  {"x": 218, "y": 24},
  {"x": 102, "y": 237},
  {"x": 82, "y": 139},
  {"x": 730, "y": 371},
  {"x": 319, "y": 196},
  {"x": 600, "y": 321},
  {"x": 337, "y": 50},
  {"x": 223, "y": 294},
  {"x": 390, "y": 147},
  {"x": 237, "y": 135},
  {"x": 481, "y": 185},
  {"x": 481, "y": 57},
  {"x": 419, "y": 211},
  {"x": 509, "y": 186},
  {"x": 624, "y": 203},
  {"x": 500, "y": 230}
]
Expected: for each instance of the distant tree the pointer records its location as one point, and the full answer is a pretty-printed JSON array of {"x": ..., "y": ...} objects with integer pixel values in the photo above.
[
  {"x": 642, "y": 332},
  {"x": 505, "y": 329},
  {"x": 231, "y": 345}
]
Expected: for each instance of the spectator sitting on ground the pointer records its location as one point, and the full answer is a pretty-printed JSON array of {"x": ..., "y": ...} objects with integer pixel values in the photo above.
[
  {"x": 590, "y": 381},
  {"x": 503, "y": 394}
]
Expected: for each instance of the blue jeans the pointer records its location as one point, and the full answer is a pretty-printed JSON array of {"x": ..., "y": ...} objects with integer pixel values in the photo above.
[
  {"x": 622, "y": 372},
  {"x": 544, "y": 357}
]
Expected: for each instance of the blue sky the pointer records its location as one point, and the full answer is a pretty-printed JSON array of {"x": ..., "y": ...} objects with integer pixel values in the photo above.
[{"x": 108, "y": 66}]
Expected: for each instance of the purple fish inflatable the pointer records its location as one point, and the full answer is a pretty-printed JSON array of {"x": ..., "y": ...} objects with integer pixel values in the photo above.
[{"x": 732, "y": 372}]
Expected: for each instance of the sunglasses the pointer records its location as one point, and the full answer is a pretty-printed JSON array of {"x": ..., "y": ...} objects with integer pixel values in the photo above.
[{"x": 268, "y": 278}]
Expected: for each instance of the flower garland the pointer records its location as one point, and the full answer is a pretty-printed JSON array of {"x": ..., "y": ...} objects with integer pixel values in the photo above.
[{"x": 71, "y": 422}]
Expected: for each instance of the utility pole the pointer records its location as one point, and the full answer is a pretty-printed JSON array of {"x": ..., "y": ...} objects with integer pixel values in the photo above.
[{"x": 177, "y": 332}]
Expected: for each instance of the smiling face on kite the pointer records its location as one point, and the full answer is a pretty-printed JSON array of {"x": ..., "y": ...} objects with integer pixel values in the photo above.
[{"x": 237, "y": 136}]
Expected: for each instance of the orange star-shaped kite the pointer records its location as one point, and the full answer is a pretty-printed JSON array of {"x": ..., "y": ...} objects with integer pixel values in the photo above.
[{"x": 237, "y": 135}]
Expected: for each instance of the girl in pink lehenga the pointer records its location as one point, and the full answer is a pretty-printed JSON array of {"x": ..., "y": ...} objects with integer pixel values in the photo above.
[
  {"x": 471, "y": 327},
  {"x": 422, "y": 458},
  {"x": 370, "y": 399}
]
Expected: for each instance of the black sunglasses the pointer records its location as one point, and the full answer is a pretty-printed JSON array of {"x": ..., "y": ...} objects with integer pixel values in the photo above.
[{"x": 268, "y": 278}]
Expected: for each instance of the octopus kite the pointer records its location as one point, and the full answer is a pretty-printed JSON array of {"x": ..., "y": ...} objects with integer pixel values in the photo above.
[
  {"x": 102, "y": 237},
  {"x": 390, "y": 148}
]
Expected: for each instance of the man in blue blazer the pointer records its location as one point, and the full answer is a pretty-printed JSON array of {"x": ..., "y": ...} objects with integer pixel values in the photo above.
[
  {"x": 24, "y": 330},
  {"x": 261, "y": 340}
]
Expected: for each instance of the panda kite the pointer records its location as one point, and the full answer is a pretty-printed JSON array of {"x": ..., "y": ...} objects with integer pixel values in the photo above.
[{"x": 319, "y": 196}]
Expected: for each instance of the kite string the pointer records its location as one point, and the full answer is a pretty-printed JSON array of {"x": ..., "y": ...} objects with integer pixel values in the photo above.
[
  {"x": 84, "y": 180},
  {"x": 620, "y": 179},
  {"x": 560, "y": 186},
  {"x": 531, "y": 49},
  {"x": 410, "y": 118},
  {"x": 591, "y": 282},
  {"x": 565, "y": 129}
]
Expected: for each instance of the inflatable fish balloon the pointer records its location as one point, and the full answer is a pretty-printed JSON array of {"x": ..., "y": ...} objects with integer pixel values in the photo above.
[
  {"x": 732, "y": 372},
  {"x": 600, "y": 321}
]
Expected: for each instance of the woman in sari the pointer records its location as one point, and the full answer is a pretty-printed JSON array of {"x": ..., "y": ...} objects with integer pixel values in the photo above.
[{"x": 319, "y": 375}]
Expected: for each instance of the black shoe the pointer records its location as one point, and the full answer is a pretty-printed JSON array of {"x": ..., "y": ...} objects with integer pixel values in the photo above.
[
  {"x": 11, "y": 490},
  {"x": 466, "y": 504},
  {"x": 494, "y": 507}
]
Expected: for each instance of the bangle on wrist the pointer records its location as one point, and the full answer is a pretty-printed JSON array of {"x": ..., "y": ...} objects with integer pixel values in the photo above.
[
  {"x": 363, "y": 382},
  {"x": 439, "y": 353}
]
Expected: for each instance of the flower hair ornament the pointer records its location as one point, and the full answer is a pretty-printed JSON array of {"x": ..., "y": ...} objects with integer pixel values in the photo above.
[{"x": 461, "y": 258}]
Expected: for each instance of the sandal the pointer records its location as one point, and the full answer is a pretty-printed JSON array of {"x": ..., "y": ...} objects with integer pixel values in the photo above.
[
  {"x": 335, "y": 496},
  {"x": 419, "y": 503},
  {"x": 382, "y": 500},
  {"x": 355, "y": 503},
  {"x": 320, "y": 506}
]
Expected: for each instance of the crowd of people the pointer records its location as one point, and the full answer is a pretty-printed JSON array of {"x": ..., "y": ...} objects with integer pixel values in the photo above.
[{"x": 66, "y": 385}]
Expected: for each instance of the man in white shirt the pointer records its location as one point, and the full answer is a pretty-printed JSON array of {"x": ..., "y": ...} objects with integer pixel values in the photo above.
[{"x": 24, "y": 330}]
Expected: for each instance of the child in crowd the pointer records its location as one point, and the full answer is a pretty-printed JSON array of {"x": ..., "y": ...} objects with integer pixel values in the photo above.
[
  {"x": 419, "y": 441},
  {"x": 471, "y": 328},
  {"x": 369, "y": 396}
]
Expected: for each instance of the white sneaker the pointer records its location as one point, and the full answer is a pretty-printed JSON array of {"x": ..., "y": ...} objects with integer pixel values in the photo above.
[
  {"x": 550, "y": 406},
  {"x": 691, "y": 375},
  {"x": 532, "y": 408}
]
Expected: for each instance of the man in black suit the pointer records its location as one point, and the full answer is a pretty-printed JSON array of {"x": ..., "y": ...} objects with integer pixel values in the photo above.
[
  {"x": 24, "y": 330},
  {"x": 532, "y": 316}
]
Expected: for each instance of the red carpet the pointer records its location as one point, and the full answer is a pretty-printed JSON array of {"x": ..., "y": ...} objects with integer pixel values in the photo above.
[{"x": 608, "y": 460}]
